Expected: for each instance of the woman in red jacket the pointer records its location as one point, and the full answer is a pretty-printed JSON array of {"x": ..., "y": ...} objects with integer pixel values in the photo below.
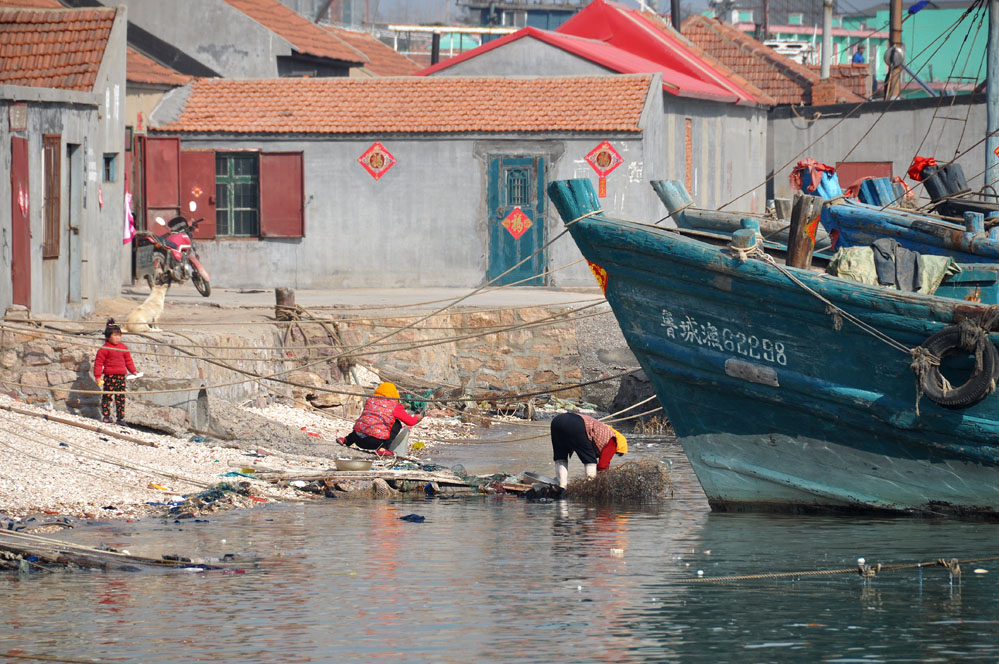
[
  {"x": 379, "y": 428},
  {"x": 112, "y": 364}
]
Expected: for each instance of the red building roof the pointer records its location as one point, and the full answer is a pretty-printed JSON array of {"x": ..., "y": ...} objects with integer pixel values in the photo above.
[
  {"x": 383, "y": 60},
  {"x": 648, "y": 36},
  {"x": 304, "y": 35},
  {"x": 412, "y": 105},
  {"x": 53, "y": 48},
  {"x": 605, "y": 55},
  {"x": 780, "y": 78}
]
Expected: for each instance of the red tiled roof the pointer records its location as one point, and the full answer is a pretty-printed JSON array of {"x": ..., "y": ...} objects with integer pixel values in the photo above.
[
  {"x": 142, "y": 69},
  {"x": 383, "y": 60},
  {"x": 412, "y": 105},
  {"x": 53, "y": 48},
  {"x": 606, "y": 55},
  {"x": 307, "y": 37},
  {"x": 780, "y": 78}
]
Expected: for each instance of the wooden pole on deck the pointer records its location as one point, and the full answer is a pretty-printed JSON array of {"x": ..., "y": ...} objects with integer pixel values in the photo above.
[
  {"x": 284, "y": 303},
  {"x": 801, "y": 237}
]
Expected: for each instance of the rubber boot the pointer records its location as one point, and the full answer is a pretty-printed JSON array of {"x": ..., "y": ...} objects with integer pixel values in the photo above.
[
  {"x": 591, "y": 470},
  {"x": 562, "y": 472}
]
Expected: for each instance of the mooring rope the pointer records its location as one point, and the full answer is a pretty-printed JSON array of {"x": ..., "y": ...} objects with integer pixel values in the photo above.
[{"x": 864, "y": 570}]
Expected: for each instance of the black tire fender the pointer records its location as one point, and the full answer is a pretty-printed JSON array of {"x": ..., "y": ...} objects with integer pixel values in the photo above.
[{"x": 980, "y": 383}]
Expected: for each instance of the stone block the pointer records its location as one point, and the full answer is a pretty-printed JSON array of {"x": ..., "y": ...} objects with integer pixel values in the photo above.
[
  {"x": 549, "y": 349},
  {"x": 61, "y": 377},
  {"x": 516, "y": 379},
  {"x": 562, "y": 334},
  {"x": 544, "y": 377},
  {"x": 37, "y": 354},
  {"x": 479, "y": 319},
  {"x": 534, "y": 314},
  {"x": 469, "y": 364},
  {"x": 35, "y": 383},
  {"x": 8, "y": 359},
  {"x": 411, "y": 355},
  {"x": 527, "y": 362},
  {"x": 573, "y": 374},
  {"x": 496, "y": 364},
  {"x": 306, "y": 378},
  {"x": 72, "y": 359}
]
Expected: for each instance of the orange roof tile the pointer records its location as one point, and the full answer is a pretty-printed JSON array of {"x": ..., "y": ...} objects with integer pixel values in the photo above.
[
  {"x": 142, "y": 69},
  {"x": 303, "y": 34},
  {"x": 53, "y": 48},
  {"x": 412, "y": 105},
  {"x": 782, "y": 79},
  {"x": 383, "y": 60}
]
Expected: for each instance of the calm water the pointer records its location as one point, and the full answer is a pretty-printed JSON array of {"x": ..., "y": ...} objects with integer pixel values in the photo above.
[{"x": 495, "y": 579}]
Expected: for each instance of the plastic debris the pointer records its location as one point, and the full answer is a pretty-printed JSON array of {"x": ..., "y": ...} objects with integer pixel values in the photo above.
[{"x": 413, "y": 518}]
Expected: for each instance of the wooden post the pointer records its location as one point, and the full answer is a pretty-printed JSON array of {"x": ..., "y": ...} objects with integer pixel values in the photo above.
[
  {"x": 804, "y": 223},
  {"x": 284, "y": 305}
]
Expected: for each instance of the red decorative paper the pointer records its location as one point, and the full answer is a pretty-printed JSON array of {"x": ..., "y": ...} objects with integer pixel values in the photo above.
[
  {"x": 376, "y": 160},
  {"x": 600, "y": 274},
  {"x": 517, "y": 223},
  {"x": 604, "y": 159}
]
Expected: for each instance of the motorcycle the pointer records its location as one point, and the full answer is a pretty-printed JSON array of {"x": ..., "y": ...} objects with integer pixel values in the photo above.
[{"x": 172, "y": 257}]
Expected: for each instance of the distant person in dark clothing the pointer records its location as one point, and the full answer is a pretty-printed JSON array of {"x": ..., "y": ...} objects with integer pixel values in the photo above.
[
  {"x": 379, "y": 428},
  {"x": 858, "y": 55},
  {"x": 594, "y": 443}
]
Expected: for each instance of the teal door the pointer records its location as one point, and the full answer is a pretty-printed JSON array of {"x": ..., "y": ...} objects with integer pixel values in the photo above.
[{"x": 516, "y": 199}]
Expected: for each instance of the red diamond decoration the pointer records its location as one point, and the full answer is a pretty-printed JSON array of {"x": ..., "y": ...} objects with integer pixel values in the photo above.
[
  {"x": 604, "y": 158},
  {"x": 376, "y": 160},
  {"x": 517, "y": 223}
]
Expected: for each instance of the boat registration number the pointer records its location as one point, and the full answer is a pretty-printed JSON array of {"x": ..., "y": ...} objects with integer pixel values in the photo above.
[{"x": 692, "y": 331}]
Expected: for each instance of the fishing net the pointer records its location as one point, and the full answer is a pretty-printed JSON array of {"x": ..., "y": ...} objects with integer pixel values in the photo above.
[{"x": 644, "y": 480}]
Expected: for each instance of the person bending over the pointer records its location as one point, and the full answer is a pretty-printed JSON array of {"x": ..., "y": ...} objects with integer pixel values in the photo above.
[{"x": 594, "y": 443}]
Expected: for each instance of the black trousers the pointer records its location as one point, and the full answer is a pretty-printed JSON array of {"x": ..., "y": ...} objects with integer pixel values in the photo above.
[
  {"x": 372, "y": 443},
  {"x": 568, "y": 436}
]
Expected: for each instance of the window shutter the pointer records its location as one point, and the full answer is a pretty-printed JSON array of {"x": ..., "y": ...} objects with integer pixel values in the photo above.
[
  {"x": 282, "y": 210},
  {"x": 197, "y": 183},
  {"x": 52, "y": 153}
]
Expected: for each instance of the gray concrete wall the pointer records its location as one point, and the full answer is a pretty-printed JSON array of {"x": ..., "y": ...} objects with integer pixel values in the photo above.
[
  {"x": 526, "y": 56},
  {"x": 214, "y": 33},
  {"x": 93, "y": 124},
  {"x": 728, "y": 152},
  {"x": 898, "y": 132},
  {"x": 424, "y": 223},
  {"x": 729, "y": 142}
]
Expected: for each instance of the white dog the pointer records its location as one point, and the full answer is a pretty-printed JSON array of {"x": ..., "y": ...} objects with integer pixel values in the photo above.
[{"x": 143, "y": 318}]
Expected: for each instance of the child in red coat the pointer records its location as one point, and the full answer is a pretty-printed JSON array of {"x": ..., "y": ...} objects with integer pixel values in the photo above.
[{"x": 112, "y": 364}]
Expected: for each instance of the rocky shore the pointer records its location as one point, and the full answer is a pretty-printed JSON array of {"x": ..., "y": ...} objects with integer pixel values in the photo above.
[{"x": 53, "y": 470}]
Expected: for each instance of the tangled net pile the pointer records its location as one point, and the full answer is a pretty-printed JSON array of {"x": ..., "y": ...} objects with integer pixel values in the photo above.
[{"x": 644, "y": 480}]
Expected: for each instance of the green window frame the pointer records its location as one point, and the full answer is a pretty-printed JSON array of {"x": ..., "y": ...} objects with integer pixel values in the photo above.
[
  {"x": 237, "y": 194},
  {"x": 797, "y": 18}
]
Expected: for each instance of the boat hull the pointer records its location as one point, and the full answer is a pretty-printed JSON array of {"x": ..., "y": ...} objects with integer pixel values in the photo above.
[{"x": 779, "y": 404}]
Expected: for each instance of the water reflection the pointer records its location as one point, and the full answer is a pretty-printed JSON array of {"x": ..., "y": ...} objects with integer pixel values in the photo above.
[{"x": 499, "y": 578}]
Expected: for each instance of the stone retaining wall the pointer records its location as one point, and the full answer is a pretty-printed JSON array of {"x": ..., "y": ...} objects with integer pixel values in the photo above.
[{"x": 477, "y": 356}]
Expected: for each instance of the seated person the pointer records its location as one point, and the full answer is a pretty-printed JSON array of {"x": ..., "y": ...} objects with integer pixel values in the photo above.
[{"x": 380, "y": 426}]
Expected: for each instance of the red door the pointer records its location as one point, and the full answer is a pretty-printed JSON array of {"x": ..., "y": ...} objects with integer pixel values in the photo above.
[
  {"x": 20, "y": 260},
  {"x": 197, "y": 184},
  {"x": 161, "y": 181}
]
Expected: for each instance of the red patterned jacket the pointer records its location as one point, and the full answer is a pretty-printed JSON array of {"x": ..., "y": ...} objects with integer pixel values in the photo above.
[{"x": 379, "y": 415}]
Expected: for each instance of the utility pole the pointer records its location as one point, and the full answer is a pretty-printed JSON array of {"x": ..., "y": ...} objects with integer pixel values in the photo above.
[
  {"x": 895, "y": 56},
  {"x": 827, "y": 7},
  {"x": 992, "y": 97}
]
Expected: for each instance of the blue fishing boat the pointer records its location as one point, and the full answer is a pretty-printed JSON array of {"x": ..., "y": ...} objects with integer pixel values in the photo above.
[
  {"x": 793, "y": 390},
  {"x": 852, "y": 223}
]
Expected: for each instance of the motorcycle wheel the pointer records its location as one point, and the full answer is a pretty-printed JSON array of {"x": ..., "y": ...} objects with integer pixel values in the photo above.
[
  {"x": 160, "y": 276},
  {"x": 203, "y": 286}
]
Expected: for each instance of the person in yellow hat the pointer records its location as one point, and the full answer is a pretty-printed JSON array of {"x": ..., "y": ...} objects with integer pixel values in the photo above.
[
  {"x": 594, "y": 443},
  {"x": 380, "y": 426}
]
